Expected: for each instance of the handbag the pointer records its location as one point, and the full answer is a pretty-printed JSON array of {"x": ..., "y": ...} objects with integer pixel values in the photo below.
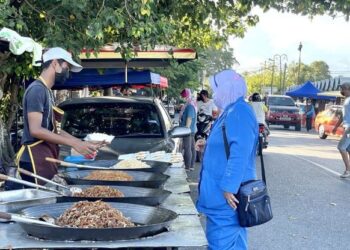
[{"x": 254, "y": 206}]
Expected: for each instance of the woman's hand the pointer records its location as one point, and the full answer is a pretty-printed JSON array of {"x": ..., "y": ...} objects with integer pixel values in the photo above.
[{"x": 231, "y": 200}]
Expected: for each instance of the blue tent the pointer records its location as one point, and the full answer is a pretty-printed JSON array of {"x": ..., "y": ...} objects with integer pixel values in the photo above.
[
  {"x": 108, "y": 78},
  {"x": 308, "y": 90}
]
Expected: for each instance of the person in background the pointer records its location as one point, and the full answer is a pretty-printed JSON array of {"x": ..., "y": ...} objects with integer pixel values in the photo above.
[
  {"x": 188, "y": 118},
  {"x": 259, "y": 108},
  {"x": 40, "y": 135},
  {"x": 310, "y": 114},
  {"x": 221, "y": 178},
  {"x": 206, "y": 105},
  {"x": 125, "y": 91},
  {"x": 344, "y": 142}
]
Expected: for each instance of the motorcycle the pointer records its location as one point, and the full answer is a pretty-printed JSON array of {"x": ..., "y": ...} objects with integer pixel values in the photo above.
[
  {"x": 204, "y": 123},
  {"x": 263, "y": 134}
]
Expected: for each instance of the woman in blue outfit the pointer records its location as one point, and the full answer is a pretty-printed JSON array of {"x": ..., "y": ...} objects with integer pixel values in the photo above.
[{"x": 221, "y": 177}]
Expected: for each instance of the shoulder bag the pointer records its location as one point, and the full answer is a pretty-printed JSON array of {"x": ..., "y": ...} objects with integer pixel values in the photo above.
[{"x": 254, "y": 206}]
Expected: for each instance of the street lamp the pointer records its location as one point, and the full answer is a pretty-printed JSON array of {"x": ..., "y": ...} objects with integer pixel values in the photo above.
[
  {"x": 273, "y": 73},
  {"x": 299, "y": 48},
  {"x": 281, "y": 57}
]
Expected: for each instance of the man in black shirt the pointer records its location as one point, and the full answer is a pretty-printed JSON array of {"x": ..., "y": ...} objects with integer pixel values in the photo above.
[{"x": 40, "y": 136}]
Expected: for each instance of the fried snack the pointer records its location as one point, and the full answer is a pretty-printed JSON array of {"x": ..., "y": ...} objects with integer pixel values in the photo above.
[
  {"x": 98, "y": 214},
  {"x": 131, "y": 163},
  {"x": 99, "y": 192},
  {"x": 105, "y": 175}
]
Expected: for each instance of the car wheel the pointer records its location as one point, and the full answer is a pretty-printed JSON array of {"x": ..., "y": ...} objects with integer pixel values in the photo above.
[
  {"x": 286, "y": 126},
  {"x": 322, "y": 132},
  {"x": 297, "y": 127}
]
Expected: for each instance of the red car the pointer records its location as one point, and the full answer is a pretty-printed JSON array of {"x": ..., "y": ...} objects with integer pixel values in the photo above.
[{"x": 326, "y": 120}]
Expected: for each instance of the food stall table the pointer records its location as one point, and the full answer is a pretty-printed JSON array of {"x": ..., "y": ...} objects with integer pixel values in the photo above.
[{"x": 185, "y": 232}]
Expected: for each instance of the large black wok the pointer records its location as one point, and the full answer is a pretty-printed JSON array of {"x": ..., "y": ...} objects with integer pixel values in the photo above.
[
  {"x": 141, "y": 179},
  {"x": 149, "y": 220},
  {"x": 136, "y": 195},
  {"x": 155, "y": 166}
]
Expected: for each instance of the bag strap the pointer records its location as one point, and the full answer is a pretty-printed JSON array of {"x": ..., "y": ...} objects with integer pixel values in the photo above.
[{"x": 227, "y": 150}]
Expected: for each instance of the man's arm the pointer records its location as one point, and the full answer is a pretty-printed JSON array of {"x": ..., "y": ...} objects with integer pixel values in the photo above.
[
  {"x": 337, "y": 124},
  {"x": 35, "y": 129}
]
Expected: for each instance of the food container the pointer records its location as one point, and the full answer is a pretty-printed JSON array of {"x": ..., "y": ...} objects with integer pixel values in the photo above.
[{"x": 15, "y": 200}]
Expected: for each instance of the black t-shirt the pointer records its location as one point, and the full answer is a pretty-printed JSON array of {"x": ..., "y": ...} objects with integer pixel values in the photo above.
[{"x": 37, "y": 98}]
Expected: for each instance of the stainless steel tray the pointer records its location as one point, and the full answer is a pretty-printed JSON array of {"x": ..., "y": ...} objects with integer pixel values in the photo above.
[{"x": 13, "y": 201}]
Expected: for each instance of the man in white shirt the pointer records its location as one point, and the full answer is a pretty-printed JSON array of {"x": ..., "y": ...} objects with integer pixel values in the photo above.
[{"x": 206, "y": 105}]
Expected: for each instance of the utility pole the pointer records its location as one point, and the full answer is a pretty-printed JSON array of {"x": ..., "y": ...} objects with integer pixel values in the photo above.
[
  {"x": 284, "y": 77},
  {"x": 280, "y": 58},
  {"x": 299, "y": 48},
  {"x": 273, "y": 74}
]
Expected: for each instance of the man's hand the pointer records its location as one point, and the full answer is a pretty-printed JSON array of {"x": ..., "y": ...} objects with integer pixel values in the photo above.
[
  {"x": 85, "y": 148},
  {"x": 231, "y": 200}
]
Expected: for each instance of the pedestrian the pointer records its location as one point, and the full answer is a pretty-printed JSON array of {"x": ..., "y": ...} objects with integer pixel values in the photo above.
[
  {"x": 310, "y": 114},
  {"x": 125, "y": 91},
  {"x": 188, "y": 118},
  {"x": 40, "y": 135},
  {"x": 221, "y": 178},
  {"x": 260, "y": 110},
  {"x": 206, "y": 105},
  {"x": 344, "y": 142}
]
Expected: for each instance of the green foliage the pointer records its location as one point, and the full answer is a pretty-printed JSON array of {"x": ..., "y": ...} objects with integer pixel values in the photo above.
[{"x": 257, "y": 81}]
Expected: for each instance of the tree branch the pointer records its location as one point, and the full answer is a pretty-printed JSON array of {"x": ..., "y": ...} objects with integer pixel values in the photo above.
[{"x": 127, "y": 10}]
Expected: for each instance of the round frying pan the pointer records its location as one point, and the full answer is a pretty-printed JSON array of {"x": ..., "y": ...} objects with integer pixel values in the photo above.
[
  {"x": 149, "y": 220},
  {"x": 155, "y": 166},
  {"x": 141, "y": 179},
  {"x": 136, "y": 195}
]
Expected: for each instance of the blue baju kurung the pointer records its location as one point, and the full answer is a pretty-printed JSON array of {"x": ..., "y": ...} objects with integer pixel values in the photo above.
[{"x": 219, "y": 174}]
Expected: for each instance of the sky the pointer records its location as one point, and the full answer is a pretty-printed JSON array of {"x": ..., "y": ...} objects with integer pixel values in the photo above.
[{"x": 323, "y": 38}]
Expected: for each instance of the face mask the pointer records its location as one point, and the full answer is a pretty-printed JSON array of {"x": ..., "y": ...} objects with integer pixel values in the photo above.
[{"x": 61, "y": 77}]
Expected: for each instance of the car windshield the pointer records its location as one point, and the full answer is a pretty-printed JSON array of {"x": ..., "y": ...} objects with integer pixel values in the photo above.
[
  {"x": 280, "y": 101},
  {"x": 118, "y": 119}
]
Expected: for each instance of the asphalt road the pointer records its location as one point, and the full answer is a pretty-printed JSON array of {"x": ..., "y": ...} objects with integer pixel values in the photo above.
[{"x": 311, "y": 204}]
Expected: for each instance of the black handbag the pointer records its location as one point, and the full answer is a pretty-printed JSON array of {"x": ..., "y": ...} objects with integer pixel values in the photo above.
[{"x": 254, "y": 206}]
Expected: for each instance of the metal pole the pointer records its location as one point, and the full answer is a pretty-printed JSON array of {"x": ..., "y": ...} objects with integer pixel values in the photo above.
[
  {"x": 284, "y": 77},
  {"x": 280, "y": 74},
  {"x": 299, "y": 48},
  {"x": 273, "y": 74}
]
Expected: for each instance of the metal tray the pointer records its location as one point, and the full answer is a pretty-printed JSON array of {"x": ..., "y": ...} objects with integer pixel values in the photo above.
[
  {"x": 149, "y": 220},
  {"x": 141, "y": 179},
  {"x": 15, "y": 200},
  {"x": 136, "y": 195},
  {"x": 155, "y": 166}
]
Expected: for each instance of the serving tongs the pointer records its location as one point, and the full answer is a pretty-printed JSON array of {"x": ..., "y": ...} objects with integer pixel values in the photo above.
[
  {"x": 71, "y": 190},
  {"x": 46, "y": 220},
  {"x": 30, "y": 184},
  {"x": 74, "y": 165}
]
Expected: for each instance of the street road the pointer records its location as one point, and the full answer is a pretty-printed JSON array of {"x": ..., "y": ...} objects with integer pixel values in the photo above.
[{"x": 311, "y": 204}]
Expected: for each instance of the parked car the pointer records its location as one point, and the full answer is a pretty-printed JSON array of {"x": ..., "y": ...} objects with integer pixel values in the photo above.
[
  {"x": 326, "y": 120},
  {"x": 282, "y": 111},
  {"x": 138, "y": 124}
]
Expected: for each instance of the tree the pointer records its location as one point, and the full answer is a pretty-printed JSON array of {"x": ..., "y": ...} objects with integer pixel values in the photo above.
[
  {"x": 319, "y": 71},
  {"x": 138, "y": 24}
]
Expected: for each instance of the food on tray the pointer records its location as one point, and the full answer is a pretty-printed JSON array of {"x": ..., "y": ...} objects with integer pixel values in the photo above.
[
  {"x": 131, "y": 163},
  {"x": 100, "y": 192},
  {"x": 175, "y": 158},
  {"x": 98, "y": 214},
  {"x": 99, "y": 137},
  {"x": 108, "y": 176},
  {"x": 141, "y": 155}
]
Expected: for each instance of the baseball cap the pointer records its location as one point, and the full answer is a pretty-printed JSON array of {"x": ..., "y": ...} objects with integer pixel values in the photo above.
[{"x": 59, "y": 53}]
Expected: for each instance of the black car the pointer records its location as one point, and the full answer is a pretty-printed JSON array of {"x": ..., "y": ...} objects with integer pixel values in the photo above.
[{"x": 138, "y": 123}]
